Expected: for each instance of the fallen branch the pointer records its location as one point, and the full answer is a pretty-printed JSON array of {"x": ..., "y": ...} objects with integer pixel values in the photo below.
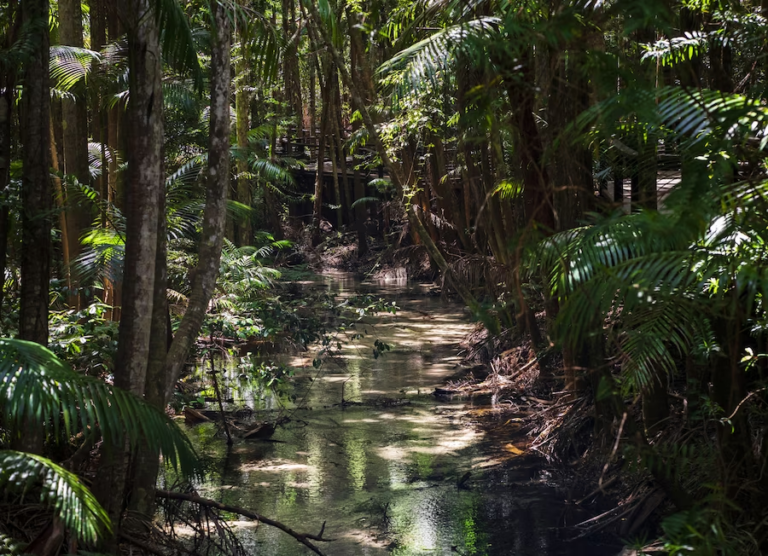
[
  {"x": 742, "y": 402},
  {"x": 303, "y": 538}
]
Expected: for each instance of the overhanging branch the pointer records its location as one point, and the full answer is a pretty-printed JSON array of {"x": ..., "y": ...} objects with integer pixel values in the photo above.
[{"x": 303, "y": 538}]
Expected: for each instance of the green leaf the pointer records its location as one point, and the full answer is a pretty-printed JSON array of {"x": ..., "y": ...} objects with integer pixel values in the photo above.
[{"x": 60, "y": 490}]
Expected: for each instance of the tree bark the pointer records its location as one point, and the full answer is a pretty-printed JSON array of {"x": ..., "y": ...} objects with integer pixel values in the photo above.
[
  {"x": 317, "y": 207},
  {"x": 357, "y": 61},
  {"x": 74, "y": 143},
  {"x": 146, "y": 463},
  {"x": 36, "y": 195},
  {"x": 291, "y": 74},
  {"x": 145, "y": 185},
  {"x": 7, "y": 102},
  {"x": 242, "y": 102},
  {"x": 214, "y": 215},
  {"x": 644, "y": 177},
  {"x": 113, "y": 291}
]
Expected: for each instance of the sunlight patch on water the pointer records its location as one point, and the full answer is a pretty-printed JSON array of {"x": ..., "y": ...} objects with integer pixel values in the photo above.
[
  {"x": 383, "y": 473},
  {"x": 277, "y": 466}
]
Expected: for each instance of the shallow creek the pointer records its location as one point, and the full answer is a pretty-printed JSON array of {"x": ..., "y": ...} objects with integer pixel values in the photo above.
[{"x": 384, "y": 475}]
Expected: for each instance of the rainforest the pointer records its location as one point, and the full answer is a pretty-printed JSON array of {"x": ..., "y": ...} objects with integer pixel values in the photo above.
[{"x": 368, "y": 277}]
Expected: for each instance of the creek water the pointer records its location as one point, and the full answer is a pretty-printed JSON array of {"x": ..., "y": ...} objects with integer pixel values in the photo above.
[{"x": 383, "y": 473}]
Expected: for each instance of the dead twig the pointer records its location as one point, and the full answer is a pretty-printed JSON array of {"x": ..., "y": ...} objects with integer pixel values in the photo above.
[
  {"x": 742, "y": 402},
  {"x": 613, "y": 452},
  {"x": 303, "y": 538}
]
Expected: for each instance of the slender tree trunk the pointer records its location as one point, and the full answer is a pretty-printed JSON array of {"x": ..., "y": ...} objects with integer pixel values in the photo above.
[
  {"x": 292, "y": 77},
  {"x": 644, "y": 177},
  {"x": 445, "y": 190},
  {"x": 36, "y": 195},
  {"x": 144, "y": 186},
  {"x": 341, "y": 157},
  {"x": 146, "y": 464},
  {"x": 317, "y": 209},
  {"x": 312, "y": 96},
  {"x": 356, "y": 56},
  {"x": 242, "y": 102},
  {"x": 7, "y": 102},
  {"x": 113, "y": 290},
  {"x": 214, "y": 215},
  {"x": 74, "y": 142},
  {"x": 360, "y": 214},
  {"x": 537, "y": 193},
  {"x": 60, "y": 200},
  {"x": 571, "y": 161},
  {"x": 336, "y": 187},
  {"x": 98, "y": 121}
]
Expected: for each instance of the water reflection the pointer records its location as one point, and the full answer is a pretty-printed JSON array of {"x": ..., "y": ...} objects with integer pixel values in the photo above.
[{"x": 383, "y": 474}]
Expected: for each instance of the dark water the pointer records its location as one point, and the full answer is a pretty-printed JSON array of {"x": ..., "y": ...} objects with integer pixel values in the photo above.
[{"x": 383, "y": 475}]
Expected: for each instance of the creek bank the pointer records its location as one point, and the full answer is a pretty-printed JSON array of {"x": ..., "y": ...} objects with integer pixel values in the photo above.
[{"x": 555, "y": 432}]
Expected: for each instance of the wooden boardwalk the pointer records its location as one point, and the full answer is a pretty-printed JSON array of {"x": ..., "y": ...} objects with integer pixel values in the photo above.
[{"x": 666, "y": 180}]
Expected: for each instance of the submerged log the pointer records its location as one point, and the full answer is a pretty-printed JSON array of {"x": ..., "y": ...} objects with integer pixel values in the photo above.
[
  {"x": 194, "y": 417},
  {"x": 260, "y": 430}
]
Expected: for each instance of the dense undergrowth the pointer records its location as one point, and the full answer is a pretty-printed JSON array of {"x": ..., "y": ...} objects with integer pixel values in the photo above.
[{"x": 588, "y": 177}]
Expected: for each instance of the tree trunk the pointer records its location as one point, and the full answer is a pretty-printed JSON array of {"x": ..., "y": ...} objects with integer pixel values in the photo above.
[
  {"x": 113, "y": 291},
  {"x": 7, "y": 102},
  {"x": 36, "y": 195},
  {"x": 360, "y": 214},
  {"x": 146, "y": 464},
  {"x": 242, "y": 102},
  {"x": 145, "y": 185},
  {"x": 341, "y": 157},
  {"x": 317, "y": 208},
  {"x": 571, "y": 163},
  {"x": 644, "y": 177},
  {"x": 292, "y": 77},
  {"x": 537, "y": 193},
  {"x": 336, "y": 187},
  {"x": 356, "y": 62},
  {"x": 36, "y": 198},
  {"x": 74, "y": 142},
  {"x": 214, "y": 215},
  {"x": 445, "y": 190}
]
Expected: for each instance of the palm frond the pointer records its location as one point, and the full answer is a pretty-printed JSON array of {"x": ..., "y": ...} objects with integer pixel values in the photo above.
[
  {"x": 39, "y": 390},
  {"x": 60, "y": 490},
  {"x": 363, "y": 200},
  {"x": 271, "y": 171},
  {"x": 69, "y": 65},
  {"x": 102, "y": 256},
  {"x": 178, "y": 43},
  {"x": 424, "y": 62}
]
